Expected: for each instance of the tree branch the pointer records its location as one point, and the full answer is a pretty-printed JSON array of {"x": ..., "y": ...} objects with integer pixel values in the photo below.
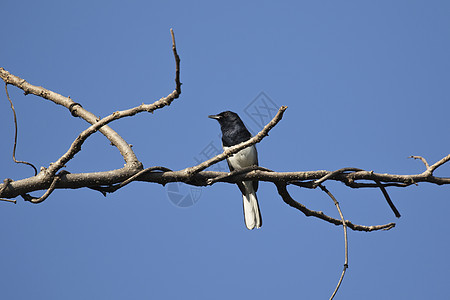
[{"x": 80, "y": 180}]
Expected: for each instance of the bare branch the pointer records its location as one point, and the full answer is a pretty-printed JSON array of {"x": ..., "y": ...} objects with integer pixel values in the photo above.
[{"x": 80, "y": 180}]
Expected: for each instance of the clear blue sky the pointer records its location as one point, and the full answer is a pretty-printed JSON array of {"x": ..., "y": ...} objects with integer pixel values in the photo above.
[{"x": 367, "y": 85}]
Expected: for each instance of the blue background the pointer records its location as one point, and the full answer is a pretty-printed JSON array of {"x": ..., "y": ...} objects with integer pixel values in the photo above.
[{"x": 367, "y": 85}]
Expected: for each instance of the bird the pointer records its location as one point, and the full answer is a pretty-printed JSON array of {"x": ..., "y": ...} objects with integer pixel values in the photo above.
[{"x": 234, "y": 132}]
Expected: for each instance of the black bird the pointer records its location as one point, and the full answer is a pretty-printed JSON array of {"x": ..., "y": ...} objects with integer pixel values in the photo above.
[{"x": 234, "y": 132}]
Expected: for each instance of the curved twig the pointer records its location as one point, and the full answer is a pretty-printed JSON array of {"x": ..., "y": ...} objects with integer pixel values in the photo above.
[
  {"x": 344, "y": 226},
  {"x": 112, "y": 189},
  {"x": 47, "y": 193},
  {"x": 15, "y": 134},
  {"x": 422, "y": 159}
]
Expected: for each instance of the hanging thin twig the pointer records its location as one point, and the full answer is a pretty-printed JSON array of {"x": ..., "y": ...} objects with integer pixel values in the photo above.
[
  {"x": 344, "y": 225},
  {"x": 15, "y": 135}
]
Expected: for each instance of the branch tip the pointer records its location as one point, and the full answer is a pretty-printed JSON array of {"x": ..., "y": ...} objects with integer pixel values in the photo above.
[{"x": 173, "y": 37}]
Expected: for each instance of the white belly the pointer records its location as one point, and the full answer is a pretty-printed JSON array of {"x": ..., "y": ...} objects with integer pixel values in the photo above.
[{"x": 244, "y": 158}]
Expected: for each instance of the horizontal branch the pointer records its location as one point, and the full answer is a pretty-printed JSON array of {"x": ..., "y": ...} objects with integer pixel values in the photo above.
[{"x": 204, "y": 178}]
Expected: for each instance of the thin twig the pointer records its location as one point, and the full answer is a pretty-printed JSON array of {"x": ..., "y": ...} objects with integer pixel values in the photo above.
[
  {"x": 345, "y": 238},
  {"x": 422, "y": 159},
  {"x": 357, "y": 185},
  {"x": 47, "y": 193},
  {"x": 8, "y": 200},
  {"x": 388, "y": 199},
  {"x": 15, "y": 135}
]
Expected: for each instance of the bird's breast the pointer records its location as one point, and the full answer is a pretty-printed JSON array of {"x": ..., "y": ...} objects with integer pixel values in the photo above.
[{"x": 244, "y": 158}]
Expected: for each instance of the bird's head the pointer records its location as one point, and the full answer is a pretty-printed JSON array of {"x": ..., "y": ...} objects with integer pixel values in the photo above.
[{"x": 226, "y": 117}]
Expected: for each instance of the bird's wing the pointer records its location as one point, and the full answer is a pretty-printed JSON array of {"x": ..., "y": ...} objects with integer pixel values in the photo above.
[
  {"x": 255, "y": 183},
  {"x": 239, "y": 184}
]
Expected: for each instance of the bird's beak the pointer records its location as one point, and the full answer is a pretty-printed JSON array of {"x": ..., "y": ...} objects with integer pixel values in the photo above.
[{"x": 214, "y": 117}]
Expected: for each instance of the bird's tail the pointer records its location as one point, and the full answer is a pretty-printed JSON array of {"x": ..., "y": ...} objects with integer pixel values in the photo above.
[{"x": 252, "y": 215}]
